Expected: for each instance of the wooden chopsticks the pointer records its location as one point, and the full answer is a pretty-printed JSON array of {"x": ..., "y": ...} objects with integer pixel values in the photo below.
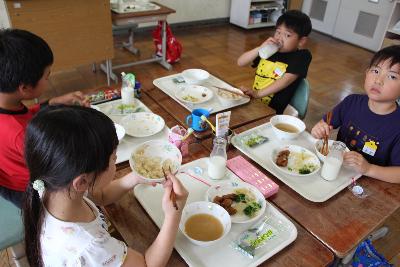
[
  {"x": 325, "y": 144},
  {"x": 232, "y": 92},
  {"x": 173, "y": 195}
]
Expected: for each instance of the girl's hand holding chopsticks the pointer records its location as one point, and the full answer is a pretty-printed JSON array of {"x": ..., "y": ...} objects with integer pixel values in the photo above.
[{"x": 175, "y": 194}]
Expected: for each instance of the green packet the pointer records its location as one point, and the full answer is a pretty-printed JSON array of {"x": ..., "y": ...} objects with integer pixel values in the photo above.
[
  {"x": 254, "y": 139},
  {"x": 255, "y": 237}
]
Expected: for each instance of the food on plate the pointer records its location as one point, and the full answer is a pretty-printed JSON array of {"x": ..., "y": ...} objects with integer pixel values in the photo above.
[
  {"x": 283, "y": 158},
  {"x": 297, "y": 162},
  {"x": 241, "y": 201},
  {"x": 190, "y": 98},
  {"x": 150, "y": 167},
  {"x": 286, "y": 127},
  {"x": 226, "y": 94},
  {"x": 203, "y": 227},
  {"x": 124, "y": 109},
  {"x": 254, "y": 140}
]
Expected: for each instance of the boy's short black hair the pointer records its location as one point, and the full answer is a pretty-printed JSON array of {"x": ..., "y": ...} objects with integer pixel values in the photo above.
[
  {"x": 297, "y": 21},
  {"x": 23, "y": 59},
  {"x": 390, "y": 52}
]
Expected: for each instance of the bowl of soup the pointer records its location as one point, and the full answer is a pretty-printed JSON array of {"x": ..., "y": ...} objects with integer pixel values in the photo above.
[
  {"x": 287, "y": 127},
  {"x": 204, "y": 223}
]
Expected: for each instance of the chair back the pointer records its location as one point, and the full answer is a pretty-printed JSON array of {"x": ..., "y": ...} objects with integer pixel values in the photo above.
[
  {"x": 300, "y": 98},
  {"x": 12, "y": 230}
]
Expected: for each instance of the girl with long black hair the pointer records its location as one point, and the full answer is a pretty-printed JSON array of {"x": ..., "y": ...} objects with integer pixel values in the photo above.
[{"x": 71, "y": 153}]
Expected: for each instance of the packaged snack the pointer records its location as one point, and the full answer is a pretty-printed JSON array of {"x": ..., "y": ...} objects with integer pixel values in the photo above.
[
  {"x": 178, "y": 79},
  {"x": 254, "y": 139},
  {"x": 255, "y": 237},
  {"x": 104, "y": 96}
]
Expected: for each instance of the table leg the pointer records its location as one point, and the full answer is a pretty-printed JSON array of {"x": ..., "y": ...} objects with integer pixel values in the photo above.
[
  {"x": 164, "y": 62},
  {"x": 129, "y": 45},
  {"x": 107, "y": 68}
]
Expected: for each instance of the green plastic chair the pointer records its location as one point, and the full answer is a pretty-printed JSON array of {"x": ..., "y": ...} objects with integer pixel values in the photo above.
[
  {"x": 12, "y": 231},
  {"x": 300, "y": 98}
]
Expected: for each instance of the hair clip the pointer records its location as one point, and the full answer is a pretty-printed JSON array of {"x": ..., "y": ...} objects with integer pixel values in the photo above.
[{"x": 38, "y": 185}]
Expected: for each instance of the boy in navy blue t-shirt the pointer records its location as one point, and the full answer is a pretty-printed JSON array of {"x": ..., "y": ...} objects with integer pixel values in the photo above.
[{"x": 370, "y": 124}]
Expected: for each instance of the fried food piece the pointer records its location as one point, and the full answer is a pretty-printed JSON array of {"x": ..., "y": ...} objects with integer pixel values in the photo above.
[
  {"x": 218, "y": 199},
  {"x": 231, "y": 210},
  {"x": 282, "y": 158},
  {"x": 227, "y": 202}
]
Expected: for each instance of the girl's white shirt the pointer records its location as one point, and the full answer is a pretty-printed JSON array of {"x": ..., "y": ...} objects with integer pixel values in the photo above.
[{"x": 80, "y": 244}]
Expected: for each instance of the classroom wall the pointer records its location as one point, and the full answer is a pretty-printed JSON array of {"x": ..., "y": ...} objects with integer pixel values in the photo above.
[{"x": 4, "y": 21}]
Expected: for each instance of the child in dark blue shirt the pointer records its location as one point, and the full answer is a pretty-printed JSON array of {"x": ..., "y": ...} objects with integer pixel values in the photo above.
[{"x": 370, "y": 124}]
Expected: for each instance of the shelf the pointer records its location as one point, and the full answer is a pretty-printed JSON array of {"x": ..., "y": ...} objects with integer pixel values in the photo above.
[{"x": 393, "y": 31}]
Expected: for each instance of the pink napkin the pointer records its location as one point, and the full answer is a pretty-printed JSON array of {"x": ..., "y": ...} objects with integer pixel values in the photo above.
[{"x": 250, "y": 174}]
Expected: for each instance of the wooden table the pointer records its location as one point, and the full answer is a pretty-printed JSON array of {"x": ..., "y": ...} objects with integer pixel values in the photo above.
[
  {"x": 343, "y": 221},
  {"x": 241, "y": 115},
  {"x": 139, "y": 231}
]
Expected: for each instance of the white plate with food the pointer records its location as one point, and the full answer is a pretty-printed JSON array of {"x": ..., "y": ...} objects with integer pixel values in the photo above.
[
  {"x": 242, "y": 201},
  {"x": 193, "y": 94},
  {"x": 142, "y": 124},
  {"x": 227, "y": 98},
  {"x": 150, "y": 158},
  {"x": 119, "y": 109},
  {"x": 295, "y": 160}
]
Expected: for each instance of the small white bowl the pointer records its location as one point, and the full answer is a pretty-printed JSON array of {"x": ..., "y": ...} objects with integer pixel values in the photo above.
[
  {"x": 156, "y": 149},
  {"x": 318, "y": 145},
  {"x": 120, "y": 131},
  {"x": 287, "y": 119},
  {"x": 195, "y": 76},
  {"x": 228, "y": 99},
  {"x": 205, "y": 207}
]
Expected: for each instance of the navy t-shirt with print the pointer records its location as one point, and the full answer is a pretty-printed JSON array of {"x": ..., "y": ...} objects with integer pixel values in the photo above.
[{"x": 376, "y": 137}]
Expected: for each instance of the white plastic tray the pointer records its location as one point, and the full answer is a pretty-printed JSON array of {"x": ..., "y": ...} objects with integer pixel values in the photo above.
[
  {"x": 221, "y": 253},
  {"x": 167, "y": 85},
  {"x": 128, "y": 143},
  {"x": 134, "y": 6},
  {"x": 313, "y": 187}
]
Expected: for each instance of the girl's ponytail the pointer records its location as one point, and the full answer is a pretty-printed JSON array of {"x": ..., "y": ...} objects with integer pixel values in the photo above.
[{"x": 33, "y": 214}]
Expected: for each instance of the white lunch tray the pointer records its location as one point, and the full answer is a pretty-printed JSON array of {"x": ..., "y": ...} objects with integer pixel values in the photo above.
[
  {"x": 133, "y": 6},
  {"x": 313, "y": 187},
  {"x": 220, "y": 253},
  {"x": 128, "y": 143},
  {"x": 168, "y": 86}
]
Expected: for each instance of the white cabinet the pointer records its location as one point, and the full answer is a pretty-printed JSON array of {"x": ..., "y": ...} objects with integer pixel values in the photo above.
[
  {"x": 363, "y": 22},
  {"x": 360, "y": 22},
  {"x": 392, "y": 35},
  {"x": 255, "y": 13},
  {"x": 322, "y": 14}
]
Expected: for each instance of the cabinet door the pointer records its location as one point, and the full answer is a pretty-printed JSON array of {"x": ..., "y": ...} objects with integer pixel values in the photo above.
[
  {"x": 322, "y": 14},
  {"x": 363, "y": 22}
]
